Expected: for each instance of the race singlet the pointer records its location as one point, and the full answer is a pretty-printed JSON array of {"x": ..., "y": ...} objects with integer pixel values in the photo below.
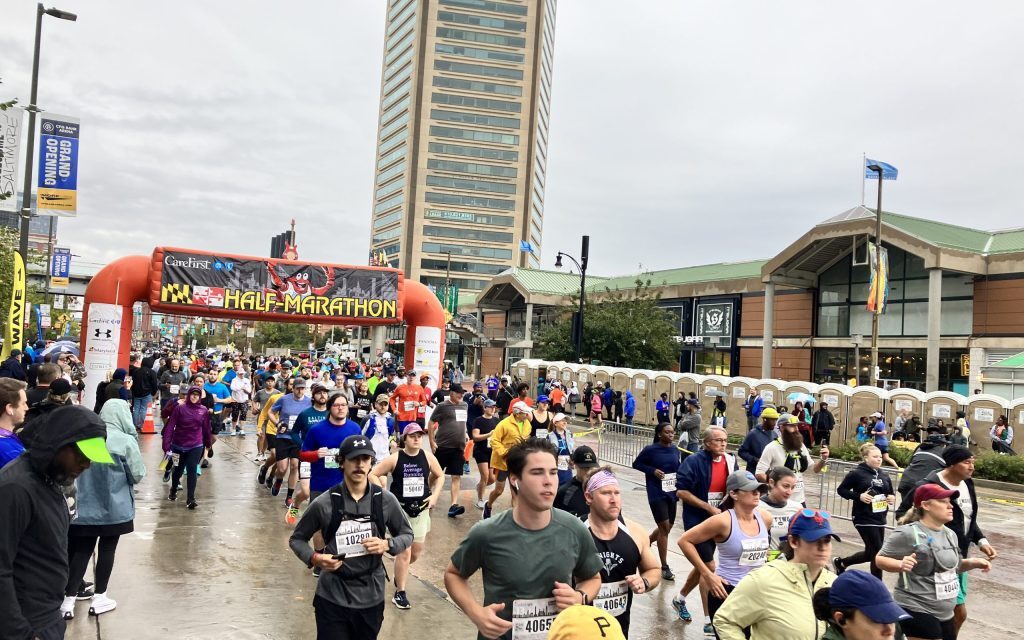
[
  {"x": 413, "y": 486},
  {"x": 350, "y": 536},
  {"x": 613, "y": 597},
  {"x": 879, "y": 504},
  {"x": 331, "y": 461},
  {"x": 531, "y": 619},
  {"x": 715, "y": 499},
  {"x": 563, "y": 463},
  {"x": 947, "y": 585},
  {"x": 755, "y": 552},
  {"x": 668, "y": 483}
]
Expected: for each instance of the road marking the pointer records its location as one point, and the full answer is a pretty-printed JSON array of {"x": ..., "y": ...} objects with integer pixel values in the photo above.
[{"x": 1016, "y": 503}]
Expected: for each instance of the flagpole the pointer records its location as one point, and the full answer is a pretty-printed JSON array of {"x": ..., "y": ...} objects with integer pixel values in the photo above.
[{"x": 863, "y": 176}]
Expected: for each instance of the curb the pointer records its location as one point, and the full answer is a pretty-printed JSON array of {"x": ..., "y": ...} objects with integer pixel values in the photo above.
[{"x": 999, "y": 485}]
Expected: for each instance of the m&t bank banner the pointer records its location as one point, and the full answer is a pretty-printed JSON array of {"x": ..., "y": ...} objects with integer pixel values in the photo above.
[{"x": 57, "y": 190}]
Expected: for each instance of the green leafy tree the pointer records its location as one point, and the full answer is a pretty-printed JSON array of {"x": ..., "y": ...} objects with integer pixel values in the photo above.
[
  {"x": 289, "y": 335},
  {"x": 621, "y": 328},
  {"x": 34, "y": 294}
]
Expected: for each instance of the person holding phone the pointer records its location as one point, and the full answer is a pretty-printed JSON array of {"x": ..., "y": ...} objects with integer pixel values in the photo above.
[{"x": 872, "y": 494}]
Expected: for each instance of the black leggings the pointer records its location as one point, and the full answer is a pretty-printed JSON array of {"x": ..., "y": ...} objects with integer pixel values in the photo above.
[
  {"x": 334, "y": 622},
  {"x": 188, "y": 462},
  {"x": 873, "y": 538},
  {"x": 80, "y": 549}
]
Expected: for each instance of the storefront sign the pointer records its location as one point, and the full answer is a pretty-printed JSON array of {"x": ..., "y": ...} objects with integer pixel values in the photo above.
[
  {"x": 275, "y": 287},
  {"x": 714, "y": 320},
  {"x": 965, "y": 365}
]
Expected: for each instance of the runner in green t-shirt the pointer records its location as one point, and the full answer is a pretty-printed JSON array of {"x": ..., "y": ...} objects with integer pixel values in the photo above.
[{"x": 525, "y": 590}]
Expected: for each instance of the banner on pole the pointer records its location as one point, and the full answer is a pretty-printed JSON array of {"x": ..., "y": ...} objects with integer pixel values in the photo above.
[
  {"x": 57, "y": 187},
  {"x": 10, "y": 155},
  {"x": 60, "y": 268},
  {"x": 15, "y": 334},
  {"x": 878, "y": 292}
]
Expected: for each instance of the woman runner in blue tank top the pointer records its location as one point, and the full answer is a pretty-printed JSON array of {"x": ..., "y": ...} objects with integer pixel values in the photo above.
[{"x": 741, "y": 533}]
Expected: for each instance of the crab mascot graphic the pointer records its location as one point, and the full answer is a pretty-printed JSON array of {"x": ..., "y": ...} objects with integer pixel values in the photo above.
[{"x": 299, "y": 284}]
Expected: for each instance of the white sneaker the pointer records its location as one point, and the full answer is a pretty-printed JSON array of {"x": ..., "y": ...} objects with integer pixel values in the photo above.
[
  {"x": 480, "y": 504},
  {"x": 101, "y": 604},
  {"x": 67, "y": 608}
]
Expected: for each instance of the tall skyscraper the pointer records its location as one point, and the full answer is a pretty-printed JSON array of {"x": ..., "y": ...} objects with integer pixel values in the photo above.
[{"x": 462, "y": 139}]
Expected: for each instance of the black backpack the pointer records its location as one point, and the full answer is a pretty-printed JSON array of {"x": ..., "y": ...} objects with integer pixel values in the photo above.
[{"x": 376, "y": 517}]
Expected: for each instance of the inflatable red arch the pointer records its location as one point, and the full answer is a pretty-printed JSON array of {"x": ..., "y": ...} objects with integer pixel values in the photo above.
[{"x": 200, "y": 283}]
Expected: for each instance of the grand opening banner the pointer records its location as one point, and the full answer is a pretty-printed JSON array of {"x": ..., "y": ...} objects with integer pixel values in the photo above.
[
  {"x": 196, "y": 283},
  {"x": 57, "y": 188}
]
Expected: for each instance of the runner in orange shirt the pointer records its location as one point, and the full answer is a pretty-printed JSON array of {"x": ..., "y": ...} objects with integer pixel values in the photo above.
[
  {"x": 407, "y": 400},
  {"x": 557, "y": 397}
]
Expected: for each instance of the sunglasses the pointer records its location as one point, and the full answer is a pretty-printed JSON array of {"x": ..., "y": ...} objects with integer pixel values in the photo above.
[{"x": 813, "y": 514}]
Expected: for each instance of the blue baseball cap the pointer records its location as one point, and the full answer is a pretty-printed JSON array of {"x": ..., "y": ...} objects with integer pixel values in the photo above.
[
  {"x": 811, "y": 525},
  {"x": 542, "y": 399},
  {"x": 864, "y": 592}
]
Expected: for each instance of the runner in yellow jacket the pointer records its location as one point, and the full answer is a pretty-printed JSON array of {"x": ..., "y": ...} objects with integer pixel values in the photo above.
[{"x": 507, "y": 433}]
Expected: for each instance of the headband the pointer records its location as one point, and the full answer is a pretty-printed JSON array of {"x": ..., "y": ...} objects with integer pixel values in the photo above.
[{"x": 601, "y": 479}]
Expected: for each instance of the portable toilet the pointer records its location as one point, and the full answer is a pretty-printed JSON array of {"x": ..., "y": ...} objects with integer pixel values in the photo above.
[
  {"x": 942, "y": 405},
  {"x": 837, "y": 397},
  {"x": 738, "y": 390},
  {"x": 1016, "y": 415},
  {"x": 664, "y": 382},
  {"x": 603, "y": 375},
  {"x": 790, "y": 389},
  {"x": 863, "y": 402},
  {"x": 771, "y": 391},
  {"x": 642, "y": 386},
  {"x": 690, "y": 383},
  {"x": 906, "y": 401},
  {"x": 982, "y": 411}
]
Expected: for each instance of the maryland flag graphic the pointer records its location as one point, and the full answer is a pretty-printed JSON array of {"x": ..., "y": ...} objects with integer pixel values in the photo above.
[{"x": 176, "y": 293}]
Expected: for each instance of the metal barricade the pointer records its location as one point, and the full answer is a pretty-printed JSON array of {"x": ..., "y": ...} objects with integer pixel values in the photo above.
[
  {"x": 615, "y": 442},
  {"x": 821, "y": 488}
]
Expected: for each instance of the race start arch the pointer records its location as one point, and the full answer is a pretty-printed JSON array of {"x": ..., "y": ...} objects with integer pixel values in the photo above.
[{"x": 199, "y": 283}]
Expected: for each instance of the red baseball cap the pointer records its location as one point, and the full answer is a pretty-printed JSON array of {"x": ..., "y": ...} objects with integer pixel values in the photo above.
[{"x": 932, "y": 492}]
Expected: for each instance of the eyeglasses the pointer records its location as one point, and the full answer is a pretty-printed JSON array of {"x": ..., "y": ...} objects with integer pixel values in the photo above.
[{"x": 718, "y": 440}]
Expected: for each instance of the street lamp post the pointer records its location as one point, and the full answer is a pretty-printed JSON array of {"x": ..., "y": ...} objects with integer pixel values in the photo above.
[
  {"x": 878, "y": 271},
  {"x": 856, "y": 339},
  {"x": 582, "y": 266},
  {"x": 26, "y": 191}
]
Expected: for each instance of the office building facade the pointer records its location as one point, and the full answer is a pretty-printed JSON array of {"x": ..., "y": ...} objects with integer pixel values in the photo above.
[{"x": 462, "y": 138}]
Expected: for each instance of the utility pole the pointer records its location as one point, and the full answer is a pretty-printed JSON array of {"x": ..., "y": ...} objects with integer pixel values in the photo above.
[{"x": 878, "y": 274}]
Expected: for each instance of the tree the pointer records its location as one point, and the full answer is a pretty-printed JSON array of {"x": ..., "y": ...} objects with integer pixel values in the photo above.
[
  {"x": 285, "y": 335},
  {"x": 34, "y": 295},
  {"x": 621, "y": 328}
]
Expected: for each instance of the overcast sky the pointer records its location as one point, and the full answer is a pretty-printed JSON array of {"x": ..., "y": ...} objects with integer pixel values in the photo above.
[{"x": 736, "y": 126}]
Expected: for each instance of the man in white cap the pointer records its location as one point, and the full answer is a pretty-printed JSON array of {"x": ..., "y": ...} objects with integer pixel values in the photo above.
[{"x": 509, "y": 432}]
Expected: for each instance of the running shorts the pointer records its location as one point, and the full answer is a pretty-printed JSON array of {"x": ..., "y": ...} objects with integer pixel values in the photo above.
[
  {"x": 271, "y": 442},
  {"x": 286, "y": 448},
  {"x": 451, "y": 460},
  {"x": 482, "y": 456},
  {"x": 925, "y": 625},
  {"x": 961, "y": 598},
  {"x": 706, "y": 550},
  {"x": 502, "y": 475},
  {"x": 420, "y": 525},
  {"x": 663, "y": 510}
]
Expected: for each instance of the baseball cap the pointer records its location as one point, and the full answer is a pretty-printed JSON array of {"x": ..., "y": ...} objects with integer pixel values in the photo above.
[
  {"x": 864, "y": 592},
  {"x": 490, "y": 403},
  {"x": 744, "y": 481},
  {"x": 811, "y": 525},
  {"x": 543, "y": 399},
  {"x": 318, "y": 387},
  {"x": 559, "y": 417},
  {"x": 59, "y": 387},
  {"x": 770, "y": 413},
  {"x": 932, "y": 491},
  {"x": 478, "y": 384},
  {"x": 456, "y": 388},
  {"x": 520, "y": 407},
  {"x": 412, "y": 427},
  {"x": 791, "y": 419},
  {"x": 95, "y": 449},
  {"x": 300, "y": 383},
  {"x": 355, "y": 446},
  {"x": 410, "y": 372},
  {"x": 876, "y": 415},
  {"x": 582, "y": 622},
  {"x": 584, "y": 457}
]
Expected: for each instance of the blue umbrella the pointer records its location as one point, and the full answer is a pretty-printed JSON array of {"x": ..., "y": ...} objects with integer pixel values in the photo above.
[
  {"x": 798, "y": 396},
  {"x": 63, "y": 346}
]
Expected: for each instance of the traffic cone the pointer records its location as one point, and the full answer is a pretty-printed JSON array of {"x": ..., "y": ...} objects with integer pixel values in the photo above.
[{"x": 148, "y": 426}]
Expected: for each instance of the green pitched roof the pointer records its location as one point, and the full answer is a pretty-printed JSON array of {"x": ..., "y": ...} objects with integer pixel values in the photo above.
[
  {"x": 1011, "y": 241},
  {"x": 685, "y": 275},
  {"x": 1013, "y": 362},
  {"x": 541, "y": 281},
  {"x": 940, "y": 233}
]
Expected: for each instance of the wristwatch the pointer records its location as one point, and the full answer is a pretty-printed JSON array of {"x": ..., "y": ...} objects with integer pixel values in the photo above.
[{"x": 583, "y": 595}]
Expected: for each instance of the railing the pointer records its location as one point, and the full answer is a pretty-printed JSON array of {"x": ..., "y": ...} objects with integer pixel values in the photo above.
[
  {"x": 822, "y": 487},
  {"x": 505, "y": 333},
  {"x": 616, "y": 443}
]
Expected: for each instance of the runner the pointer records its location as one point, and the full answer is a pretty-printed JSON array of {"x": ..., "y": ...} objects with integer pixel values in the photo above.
[
  {"x": 881, "y": 434},
  {"x": 241, "y": 396},
  {"x": 448, "y": 441},
  {"x": 269, "y": 429},
  {"x": 740, "y": 533},
  {"x": 185, "y": 436},
  {"x": 557, "y": 397},
  {"x": 285, "y": 412},
  {"x": 571, "y": 496},
  {"x": 540, "y": 419},
  {"x": 926, "y": 459},
  {"x": 481, "y": 435},
  {"x": 386, "y": 386},
  {"x": 508, "y": 433},
  {"x": 362, "y": 402},
  {"x": 379, "y": 426},
  {"x": 171, "y": 381},
  {"x": 788, "y": 450},
  {"x": 858, "y": 606},
  {"x": 417, "y": 480},
  {"x": 307, "y": 419},
  {"x": 561, "y": 437},
  {"x": 872, "y": 495},
  {"x": 622, "y": 545},
  {"x": 659, "y": 462},
  {"x": 407, "y": 400},
  {"x": 523, "y": 592},
  {"x": 926, "y": 553},
  {"x": 353, "y": 518},
  {"x": 791, "y": 582},
  {"x": 701, "y": 485},
  {"x": 259, "y": 401},
  {"x": 777, "y": 502}
]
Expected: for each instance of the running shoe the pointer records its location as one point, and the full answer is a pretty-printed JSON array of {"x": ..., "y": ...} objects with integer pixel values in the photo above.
[
  {"x": 465, "y": 468},
  {"x": 67, "y": 608},
  {"x": 456, "y": 510},
  {"x": 172, "y": 496},
  {"x": 316, "y": 572},
  {"x": 192, "y": 505},
  {"x": 276, "y": 489},
  {"x": 205, "y": 463},
  {"x": 288, "y": 502},
  {"x": 291, "y": 515},
  {"x": 261, "y": 477},
  {"x": 167, "y": 473},
  {"x": 101, "y": 604},
  {"x": 487, "y": 511},
  {"x": 239, "y": 432},
  {"x": 709, "y": 630},
  {"x": 270, "y": 482},
  {"x": 85, "y": 592},
  {"x": 680, "y": 605},
  {"x": 480, "y": 504},
  {"x": 667, "y": 575},
  {"x": 401, "y": 601},
  {"x": 838, "y": 565}
]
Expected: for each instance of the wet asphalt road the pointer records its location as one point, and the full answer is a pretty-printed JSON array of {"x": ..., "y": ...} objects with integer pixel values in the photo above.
[{"x": 225, "y": 569}]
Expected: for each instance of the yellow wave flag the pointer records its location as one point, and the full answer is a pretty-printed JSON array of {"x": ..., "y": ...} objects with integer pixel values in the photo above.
[{"x": 15, "y": 334}]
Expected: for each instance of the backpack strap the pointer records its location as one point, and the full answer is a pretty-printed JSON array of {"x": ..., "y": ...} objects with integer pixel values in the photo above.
[{"x": 337, "y": 511}]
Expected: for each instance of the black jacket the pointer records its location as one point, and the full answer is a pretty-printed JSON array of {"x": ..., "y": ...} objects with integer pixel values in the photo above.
[
  {"x": 926, "y": 459},
  {"x": 34, "y": 526},
  {"x": 822, "y": 421},
  {"x": 964, "y": 539},
  {"x": 874, "y": 481},
  {"x": 11, "y": 368},
  {"x": 144, "y": 381},
  {"x": 570, "y": 498}
]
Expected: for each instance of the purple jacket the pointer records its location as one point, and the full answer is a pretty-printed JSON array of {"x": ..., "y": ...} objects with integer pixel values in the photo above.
[{"x": 188, "y": 429}]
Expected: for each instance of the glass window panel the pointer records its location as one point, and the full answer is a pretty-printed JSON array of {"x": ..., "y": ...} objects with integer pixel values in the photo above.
[
  {"x": 859, "y": 292},
  {"x": 478, "y": 53},
  {"x": 956, "y": 285},
  {"x": 890, "y": 323},
  {"x": 477, "y": 36},
  {"x": 466, "y": 234},
  {"x": 860, "y": 321},
  {"x": 481, "y": 21},
  {"x": 476, "y": 85},
  {"x": 915, "y": 267},
  {"x": 470, "y": 201},
  {"x": 474, "y": 118},
  {"x": 915, "y": 289},
  {"x": 489, "y": 5},
  {"x": 833, "y": 292},
  {"x": 472, "y": 185},
  {"x": 478, "y": 69},
  {"x": 833, "y": 321},
  {"x": 860, "y": 273},
  {"x": 957, "y": 317},
  {"x": 473, "y": 152},
  {"x": 915, "y": 319}
]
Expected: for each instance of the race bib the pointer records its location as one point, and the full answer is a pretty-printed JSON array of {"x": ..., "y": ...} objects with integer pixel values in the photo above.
[
  {"x": 412, "y": 487},
  {"x": 668, "y": 483},
  {"x": 360, "y": 413},
  {"x": 461, "y": 415},
  {"x": 613, "y": 597},
  {"x": 531, "y": 619},
  {"x": 174, "y": 389},
  {"x": 175, "y": 459},
  {"x": 755, "y": 552},
  {"x": 947, "y": 585},
  {"x": 410, "y": 405},
  {"x": 305, "y": 470},
  {"x": 879, "y": 504},
  {"x": 715, "y": 499},
  {"x": 541, "y": 433},
  {"x": 799, "y": 489},
  {"x": 563, "y": 463},
  {"x": 350, "y": 536},
  {"x": 331, "y": 461}
]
